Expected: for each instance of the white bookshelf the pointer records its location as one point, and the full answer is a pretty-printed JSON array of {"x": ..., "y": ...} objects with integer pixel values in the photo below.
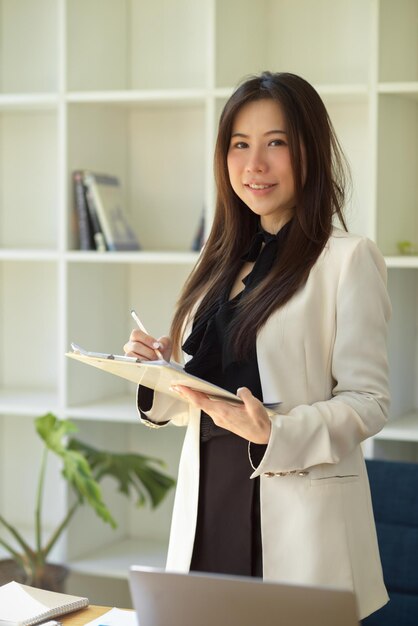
[
  {"x": 115, "y": 559},
  {"x": 401, "y": 429},
  {"x": 136, "y": 88}
]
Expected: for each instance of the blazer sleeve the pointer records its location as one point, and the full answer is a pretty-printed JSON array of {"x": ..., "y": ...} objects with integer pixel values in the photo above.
[
  {"x": 157, "y": 409},
  {"x": 327, "y": 431}
]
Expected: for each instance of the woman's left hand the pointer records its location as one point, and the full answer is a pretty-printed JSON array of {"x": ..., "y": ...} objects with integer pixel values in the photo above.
[{"x": 248, "y": 420}]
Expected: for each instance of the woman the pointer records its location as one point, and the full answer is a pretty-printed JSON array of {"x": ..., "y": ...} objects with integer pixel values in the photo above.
[{"x": 281, "y": 307}]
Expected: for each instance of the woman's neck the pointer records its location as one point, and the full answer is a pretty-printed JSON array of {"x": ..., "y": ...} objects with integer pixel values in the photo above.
[{"x": 272, "y": 224}]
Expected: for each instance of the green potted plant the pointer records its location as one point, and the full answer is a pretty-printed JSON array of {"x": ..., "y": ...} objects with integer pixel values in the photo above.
[{"x": 83, "y": 468}]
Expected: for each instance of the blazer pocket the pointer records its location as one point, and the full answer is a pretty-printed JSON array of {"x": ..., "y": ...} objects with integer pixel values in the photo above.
[{"x": 334, "y": 480}]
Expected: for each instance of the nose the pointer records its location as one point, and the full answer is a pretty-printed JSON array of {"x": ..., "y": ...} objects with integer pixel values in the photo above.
[{"x": 256, "y": 161}]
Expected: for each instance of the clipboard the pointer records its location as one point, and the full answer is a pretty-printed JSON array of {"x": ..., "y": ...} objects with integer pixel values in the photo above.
[{"x": 157, "y": 375}]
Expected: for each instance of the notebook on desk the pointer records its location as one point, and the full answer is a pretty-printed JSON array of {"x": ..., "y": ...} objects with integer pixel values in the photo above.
[
  {"x": 22, "y": 605},
  {"x": 161, "y": 597}
]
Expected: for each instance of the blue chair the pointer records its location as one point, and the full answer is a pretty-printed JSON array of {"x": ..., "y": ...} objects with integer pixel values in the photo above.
[{"x": 394, "y": 488}]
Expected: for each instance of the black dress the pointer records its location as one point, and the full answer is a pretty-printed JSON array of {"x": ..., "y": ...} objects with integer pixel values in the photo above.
[{"x": 228, "y": 532}]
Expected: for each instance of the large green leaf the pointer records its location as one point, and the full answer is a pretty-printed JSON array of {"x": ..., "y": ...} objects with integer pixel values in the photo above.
[
  {"x": 52, "y": 431},
  {"x": 76, "y": 467},
  {"x": 132, "y": 472}
]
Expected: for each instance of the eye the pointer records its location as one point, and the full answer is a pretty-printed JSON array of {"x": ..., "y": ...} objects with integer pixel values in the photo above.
[
  {"x": 240, "y": 145},
  {"x": 277, "y": 142}
]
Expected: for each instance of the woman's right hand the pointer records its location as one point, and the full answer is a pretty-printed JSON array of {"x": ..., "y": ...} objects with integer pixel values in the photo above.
[{"x": 143, "y": 346}]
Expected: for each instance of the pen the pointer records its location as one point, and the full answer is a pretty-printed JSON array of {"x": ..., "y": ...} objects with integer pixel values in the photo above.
[{"x": 144, "y": 330}]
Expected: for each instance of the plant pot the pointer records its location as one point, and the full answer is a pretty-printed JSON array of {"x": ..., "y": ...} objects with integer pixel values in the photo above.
[{"x": 52, "y": 577}]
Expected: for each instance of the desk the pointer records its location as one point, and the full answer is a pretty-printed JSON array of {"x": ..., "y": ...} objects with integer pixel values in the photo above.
[{"x": 79, "y": 618}]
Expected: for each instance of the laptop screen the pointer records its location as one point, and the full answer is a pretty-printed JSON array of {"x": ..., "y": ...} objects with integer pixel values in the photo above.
[{"x": 175, "y": 599}]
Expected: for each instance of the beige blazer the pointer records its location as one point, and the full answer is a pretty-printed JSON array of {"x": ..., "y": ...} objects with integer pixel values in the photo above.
[{"x": 323, "y": 355}]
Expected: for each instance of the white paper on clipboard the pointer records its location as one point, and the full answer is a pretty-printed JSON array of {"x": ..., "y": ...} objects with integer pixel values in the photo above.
[{"x": 157, "y": 375}]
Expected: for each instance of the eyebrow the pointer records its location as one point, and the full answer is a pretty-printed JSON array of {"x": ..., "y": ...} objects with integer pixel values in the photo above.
[{"x": 269, "y": 132}]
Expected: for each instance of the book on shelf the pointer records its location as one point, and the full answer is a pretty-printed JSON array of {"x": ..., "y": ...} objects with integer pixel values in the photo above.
[
  {"x": 112, "y": 228},
  {"x": 83, "y": 219},
  {"x": 158, "y": 375},
  {"x": 98, "y": 236},
  {"x": 21, "y": 605},
  {"x": 199, "y": 238}
]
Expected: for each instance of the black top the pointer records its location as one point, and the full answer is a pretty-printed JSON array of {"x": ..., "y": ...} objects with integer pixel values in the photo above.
[{"x": 228, "y": 533}]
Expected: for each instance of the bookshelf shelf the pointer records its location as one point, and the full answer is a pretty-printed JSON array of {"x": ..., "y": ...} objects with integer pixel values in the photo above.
[
  {"x": 28, "y": 101},
  {"x": 119, "y": 408},
  {"x": 407, "y": 262},
  {"x": 407, "y": 89},
  {"x": 114, "y": 561},
  {"x": 138, "y": 97},
  {"x": 145, "y": 108},
  {"x": 28, "y": 402},
  {"x": 34, "y": 255},
  {"x": 404, "y": 428},
  {"x": 136, "y": 258}
]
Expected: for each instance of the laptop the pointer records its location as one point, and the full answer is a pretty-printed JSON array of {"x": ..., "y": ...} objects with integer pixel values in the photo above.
[{"x": 163, "y": 598}]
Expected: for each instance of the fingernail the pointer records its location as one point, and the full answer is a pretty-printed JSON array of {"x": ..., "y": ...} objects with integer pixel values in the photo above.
[
  {"x": 175, "y": 388},
  {"x": 156, "y": 345}
]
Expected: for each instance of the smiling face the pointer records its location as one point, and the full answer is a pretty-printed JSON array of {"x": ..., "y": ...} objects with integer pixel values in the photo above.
[{"x": 259, "y": 164}]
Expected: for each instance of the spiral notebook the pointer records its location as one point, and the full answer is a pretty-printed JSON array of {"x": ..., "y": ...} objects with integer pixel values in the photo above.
[{"x": 21, "y": 605}]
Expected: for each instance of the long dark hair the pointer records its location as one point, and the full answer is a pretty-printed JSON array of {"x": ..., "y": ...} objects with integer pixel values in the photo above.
[{"x": 320, "y": 181}]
